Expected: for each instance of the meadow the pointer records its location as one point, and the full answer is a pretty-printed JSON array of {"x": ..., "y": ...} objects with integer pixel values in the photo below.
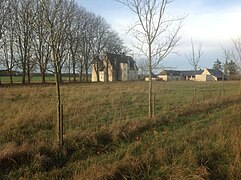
[
  {"x": 37, "y": 79},
  {"x": 107, "y": 134}
]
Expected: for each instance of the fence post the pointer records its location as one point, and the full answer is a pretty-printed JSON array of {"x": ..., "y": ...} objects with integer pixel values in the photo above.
[
  {"x": 240, "y": 86},
  {"x": 61, "y": 125},
  {"x": 153, "y": 104}
]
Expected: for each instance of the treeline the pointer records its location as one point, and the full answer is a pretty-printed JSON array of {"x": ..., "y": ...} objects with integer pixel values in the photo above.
[
  {"x": 229, "y": 68},
  {"x": 52, "y": 36}
]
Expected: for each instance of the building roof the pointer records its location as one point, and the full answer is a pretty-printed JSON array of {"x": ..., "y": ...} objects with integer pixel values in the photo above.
[
  {"x": 216, "y": 73},
  {"x": 121, "y": 58},
  {"x": 99, "y": 63},
  {"x": 170, "y": 73},
  {"x": 180, "y": 73},
  {"x": 191, "y": 73},
  {"x": 152, "y": 75}
]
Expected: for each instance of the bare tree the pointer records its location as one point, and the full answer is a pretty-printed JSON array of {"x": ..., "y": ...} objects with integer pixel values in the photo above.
[
  {"x": 24, "y": 16},
  {"x": 105, "y": 40},
  {"x": 156, "y": 33},
  {"x": 113, "y": 43},
  {"x": 225, "y": 67},
  {"x": 231, "y": 64},
  {"x": 29, "y": 27},
  {"x": 100, "y": 42},
  {"x": 41, "y": 46},
  {"x": 5, "y": 7},
  {"x": 74, "y": 39},
  {"x": 88, "y": 35},
  {"x": 194, "y": 59},
  {"x": 56, "y": 15},
  {"x": 6, "y": 55},
  {"x": 142, "y": 65},
  {"x": 234, "y": 54},
  {"x": 7, "y": 39}
]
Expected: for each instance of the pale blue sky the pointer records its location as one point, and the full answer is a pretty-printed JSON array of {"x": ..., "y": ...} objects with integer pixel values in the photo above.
[{"x": 214, "y": 23}]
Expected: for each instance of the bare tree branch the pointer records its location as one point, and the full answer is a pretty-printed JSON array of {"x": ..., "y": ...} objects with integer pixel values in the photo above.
[
  {"x": 194, "y": 59},
  {"x": 156, "y": 33}
]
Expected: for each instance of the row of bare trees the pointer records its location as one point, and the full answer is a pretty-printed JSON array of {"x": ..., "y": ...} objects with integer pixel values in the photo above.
[{"x": 52, "y": 36}]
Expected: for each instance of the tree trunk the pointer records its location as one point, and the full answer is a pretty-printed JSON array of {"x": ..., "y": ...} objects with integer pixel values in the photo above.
[
  {"x": 98, "y": 76},
  {"x": 96, "y": 68},
  {"x": 10, "y": 76},
  {"x": 240, "y": 86},
  {"x": 24, "y": 74},
  {"x": 81, "y": 74},
  {"x": 194, "y": 85},
  {"x": 107, "y": 71},
  {"x": 28, "y": 73},
  {"x": 223, "y": 85},
  {"x": 60, "y": 75},
  {"x": 153, "y": 103},
  {"x": 69, "y": 74},
  {"x": 194, "y": 91},
  {"x": 86, "y": 75},
  {"x": 74, "y": 70},
  {"x": 43, "y": 77},
  {"x": 58, "y": 99},
  {"x": 150, "y": 83},
  {"x": 57, "y": 84}
]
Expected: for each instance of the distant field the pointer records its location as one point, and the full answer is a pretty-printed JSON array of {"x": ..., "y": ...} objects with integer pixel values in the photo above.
[
  {"x": 37, "y": 79},
  {"x": 5, "y": 79},
  {"x": 107, "y": 134},
  {"x": 34, "y": 79}
]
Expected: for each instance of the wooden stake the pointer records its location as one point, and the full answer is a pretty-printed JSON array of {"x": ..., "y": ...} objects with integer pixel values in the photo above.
[
  {"x": 240, "y": 86},
  {"x": 61, "y": 125},
  {"x": 153, "y": 104}
]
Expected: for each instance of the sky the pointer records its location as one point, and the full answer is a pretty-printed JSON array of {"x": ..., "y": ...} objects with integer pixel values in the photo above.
[{"x": 213, "y": 23}]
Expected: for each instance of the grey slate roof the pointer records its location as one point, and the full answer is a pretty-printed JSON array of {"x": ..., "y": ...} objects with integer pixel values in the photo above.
[
  {"x": 121, "y": 58},
  {"x": 180, "y": 73},
  {"x": 191, "y": 73},
  {"x": 170, "y": 73},
  {"x": 216, "y": 73}
]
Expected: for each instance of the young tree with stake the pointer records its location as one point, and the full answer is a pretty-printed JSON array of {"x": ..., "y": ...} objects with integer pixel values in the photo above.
[
  {"x": 194, "y": 59},
  {"x": 156, "y": 33},
  {"x": 56, "y": 15}
]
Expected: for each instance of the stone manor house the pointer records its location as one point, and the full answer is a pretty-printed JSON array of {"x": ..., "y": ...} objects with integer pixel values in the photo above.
[{"x": 114, "y": 67}]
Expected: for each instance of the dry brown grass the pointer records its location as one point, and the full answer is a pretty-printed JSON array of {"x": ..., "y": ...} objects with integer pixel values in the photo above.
[
  {"x": 209, "y": 150},
  {"x": 12, "y": 156},
  {"x": 107, "y": 135}
]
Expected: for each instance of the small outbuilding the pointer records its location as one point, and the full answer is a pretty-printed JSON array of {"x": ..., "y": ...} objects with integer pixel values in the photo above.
[
  {"x": 170, "y": 75},
  {"x": 153, "y": 77},
  {"x": 210, "y": 75},
  {"x": 199, "y": 75}
]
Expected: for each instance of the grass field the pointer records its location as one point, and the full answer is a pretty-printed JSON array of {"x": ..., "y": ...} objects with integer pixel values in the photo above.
[
  {"x": 36, "y": 79},
  {"x": 18, "y": 79},
  {"x": 107, "y": 134}
]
